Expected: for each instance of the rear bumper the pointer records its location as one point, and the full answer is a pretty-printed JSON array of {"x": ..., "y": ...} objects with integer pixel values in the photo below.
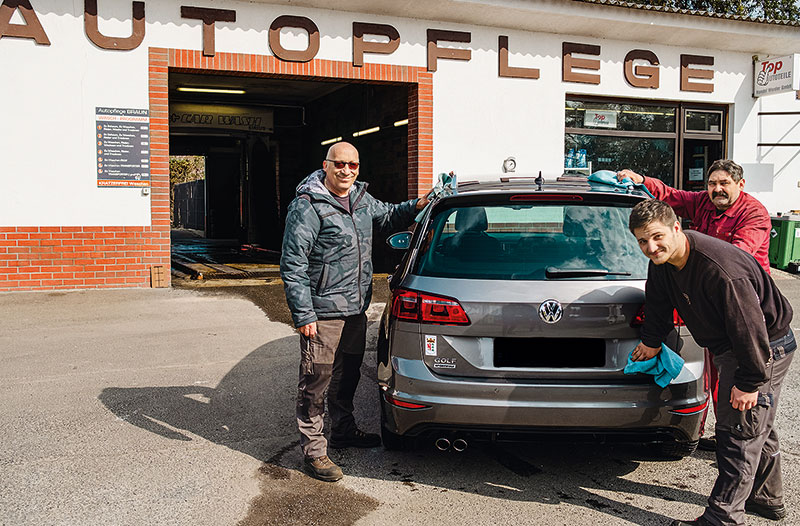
[{"x": 641, "y": 412}]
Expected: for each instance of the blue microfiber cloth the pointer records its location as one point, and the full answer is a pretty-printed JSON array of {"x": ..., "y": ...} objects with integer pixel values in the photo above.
[
  {"x": 609, "y": 178},
  {"x": 447, "y": 184},
  {"x": 664, "y": 366}
]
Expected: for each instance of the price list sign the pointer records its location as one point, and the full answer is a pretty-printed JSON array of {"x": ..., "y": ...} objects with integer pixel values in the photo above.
[{"x": 122, "y": 137}]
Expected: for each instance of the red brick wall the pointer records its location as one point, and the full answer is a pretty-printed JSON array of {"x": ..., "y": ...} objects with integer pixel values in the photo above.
[
  {"x": 70, "y": 257},
  {"x": 54, "y": 257}
]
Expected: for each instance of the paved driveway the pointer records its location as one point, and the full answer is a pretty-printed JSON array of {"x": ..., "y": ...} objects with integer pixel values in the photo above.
[{"x": 177, "y": 407}]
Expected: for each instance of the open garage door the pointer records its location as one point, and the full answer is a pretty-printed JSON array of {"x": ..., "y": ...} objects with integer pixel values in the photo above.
[{"x": 260, "y": 136}]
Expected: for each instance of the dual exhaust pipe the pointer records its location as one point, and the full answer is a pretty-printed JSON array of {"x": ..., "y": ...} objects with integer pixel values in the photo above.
[{"x": 443, "y": 444}]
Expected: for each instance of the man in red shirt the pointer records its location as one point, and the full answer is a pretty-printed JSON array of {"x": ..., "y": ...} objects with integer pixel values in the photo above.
[{"x": 725, "y": 212}]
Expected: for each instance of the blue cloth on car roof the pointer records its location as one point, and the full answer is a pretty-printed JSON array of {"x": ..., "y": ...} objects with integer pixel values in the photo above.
[
  {"x": 608, "y": 177},
  {"x": 447, "y": 184},
  {"x": 664, "y": 366}
]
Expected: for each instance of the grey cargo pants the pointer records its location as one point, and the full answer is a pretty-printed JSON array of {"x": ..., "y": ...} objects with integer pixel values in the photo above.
[
  {"x": 748, "y": 456},
  {"x": 331, "y": 360}
]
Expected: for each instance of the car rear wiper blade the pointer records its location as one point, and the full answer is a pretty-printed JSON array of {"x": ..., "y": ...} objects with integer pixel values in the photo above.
[{"x": 553, "y": 272}]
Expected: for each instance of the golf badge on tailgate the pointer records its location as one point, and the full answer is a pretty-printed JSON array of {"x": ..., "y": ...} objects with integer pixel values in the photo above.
[{"x": 444, "y": 363}]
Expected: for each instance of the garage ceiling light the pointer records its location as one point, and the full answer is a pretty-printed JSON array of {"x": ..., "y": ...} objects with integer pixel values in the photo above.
[
  {"x": 401, "y": 123},
  {"x": 331, "y": 141},
  {"x": 213, "y": 90},
  {"x": 365, "y": 132}
]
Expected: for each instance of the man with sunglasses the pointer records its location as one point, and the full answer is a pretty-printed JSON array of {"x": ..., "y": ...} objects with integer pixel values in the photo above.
[{"x": 326, "y": 266}]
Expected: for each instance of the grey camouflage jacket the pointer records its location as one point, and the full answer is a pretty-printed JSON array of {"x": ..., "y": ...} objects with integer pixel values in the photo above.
[{"x": 326, "y": 258}]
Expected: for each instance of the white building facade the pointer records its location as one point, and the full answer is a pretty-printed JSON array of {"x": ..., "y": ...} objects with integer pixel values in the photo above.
[{"x": 89, "y": 121}]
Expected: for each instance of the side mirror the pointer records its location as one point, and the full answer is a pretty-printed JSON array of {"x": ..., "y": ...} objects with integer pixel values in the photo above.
[{"x": 399, "y": 241}]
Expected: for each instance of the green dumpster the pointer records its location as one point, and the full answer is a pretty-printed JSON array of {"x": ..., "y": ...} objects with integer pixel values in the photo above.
[{"x": 784, "y": 243}]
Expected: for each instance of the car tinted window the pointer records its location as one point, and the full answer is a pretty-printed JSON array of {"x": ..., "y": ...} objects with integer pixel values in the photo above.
[{"x": 522, "y": 241}]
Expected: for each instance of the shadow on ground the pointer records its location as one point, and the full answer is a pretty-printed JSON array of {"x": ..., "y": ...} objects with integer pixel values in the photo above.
[{"x": 251, "y": 410}]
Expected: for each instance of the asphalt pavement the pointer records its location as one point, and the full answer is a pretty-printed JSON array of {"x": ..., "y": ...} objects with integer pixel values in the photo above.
[{"x": 176, "y": 406}]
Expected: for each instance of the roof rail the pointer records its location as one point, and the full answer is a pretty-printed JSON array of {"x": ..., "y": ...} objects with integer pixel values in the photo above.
[
  {"x": 572, "y": 178},
  {"x": 517, "y": 178}
]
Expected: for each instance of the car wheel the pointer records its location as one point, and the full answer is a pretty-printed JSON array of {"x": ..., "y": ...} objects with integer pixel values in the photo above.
[{"x": 676, "y": 449}]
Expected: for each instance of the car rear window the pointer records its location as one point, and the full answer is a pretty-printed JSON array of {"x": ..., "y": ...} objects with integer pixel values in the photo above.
[{"x": 531, "y": 241}]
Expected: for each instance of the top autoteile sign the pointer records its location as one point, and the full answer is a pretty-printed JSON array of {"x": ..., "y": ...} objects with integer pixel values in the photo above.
[{"x": 776, "y": 75}]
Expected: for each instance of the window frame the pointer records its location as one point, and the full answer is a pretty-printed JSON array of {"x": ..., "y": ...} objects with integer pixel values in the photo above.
[{"x": 680, "y": 133}]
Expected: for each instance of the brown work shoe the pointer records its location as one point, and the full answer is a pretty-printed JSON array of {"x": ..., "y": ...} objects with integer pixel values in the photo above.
[
  {"x": 322, "y": 468},
  {"x": 772, "y": 512}
]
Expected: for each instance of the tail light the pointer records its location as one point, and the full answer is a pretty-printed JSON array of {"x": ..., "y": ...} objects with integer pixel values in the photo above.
[
  {"x": 421, "y": 307},
  {"x": 692, "y": 410},
  {"x": 402, "y": 403},
  {"x": 638, "y": 320}
]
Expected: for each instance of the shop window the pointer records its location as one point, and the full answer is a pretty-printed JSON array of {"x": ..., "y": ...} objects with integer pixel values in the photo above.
[
  {"x": 654, "y": 157},
  {"x": 703, "y": 121},
  {"x": 622, "y": 117},
  {"x": 658, "y": 139}
]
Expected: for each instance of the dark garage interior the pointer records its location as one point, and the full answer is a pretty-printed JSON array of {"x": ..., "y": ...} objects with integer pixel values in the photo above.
[{"x": 253, "y": 167}]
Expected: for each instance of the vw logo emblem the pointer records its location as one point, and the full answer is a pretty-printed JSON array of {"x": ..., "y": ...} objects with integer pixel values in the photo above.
[{"x": 550, "y": 311}]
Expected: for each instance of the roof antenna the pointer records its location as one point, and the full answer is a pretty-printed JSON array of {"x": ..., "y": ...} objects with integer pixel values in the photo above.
[{"x": 539, "y": 180}]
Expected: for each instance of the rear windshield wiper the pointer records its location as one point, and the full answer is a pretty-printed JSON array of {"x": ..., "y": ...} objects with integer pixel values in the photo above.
[{"x": 556, "y": 273}]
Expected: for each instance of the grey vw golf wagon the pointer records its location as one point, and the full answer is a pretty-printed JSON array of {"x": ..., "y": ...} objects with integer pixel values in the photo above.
[{"x": 512, "y": 316}]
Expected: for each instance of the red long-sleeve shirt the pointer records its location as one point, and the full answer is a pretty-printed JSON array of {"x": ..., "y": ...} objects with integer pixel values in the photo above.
[{"x": 746, "y": 224}]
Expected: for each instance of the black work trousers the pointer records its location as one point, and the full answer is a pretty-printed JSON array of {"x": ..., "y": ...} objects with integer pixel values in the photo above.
[
  {"x": 748, "y": 455},
  {"x": 330, "y": 361}
]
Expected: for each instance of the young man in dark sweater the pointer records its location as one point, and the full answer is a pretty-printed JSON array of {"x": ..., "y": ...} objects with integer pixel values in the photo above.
[
  {"x": 732, "y": 307},
  {"x": 724, "y": 211}
]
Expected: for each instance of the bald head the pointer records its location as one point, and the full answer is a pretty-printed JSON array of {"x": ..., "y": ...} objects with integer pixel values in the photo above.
[
  {"x": 339, "y": 179},
  {"x": 342, "y": 149}
]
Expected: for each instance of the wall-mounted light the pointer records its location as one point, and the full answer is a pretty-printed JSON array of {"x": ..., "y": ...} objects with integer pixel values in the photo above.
[
  {"x": 401, "y": 123},
  {"x": 367, "y": 131},
  {"x": 331, "y": 141},
  {"x": 213, "y": 90}
]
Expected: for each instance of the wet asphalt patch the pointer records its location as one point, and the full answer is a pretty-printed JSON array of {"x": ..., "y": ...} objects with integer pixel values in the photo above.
[{"x": 290, "y": 498}]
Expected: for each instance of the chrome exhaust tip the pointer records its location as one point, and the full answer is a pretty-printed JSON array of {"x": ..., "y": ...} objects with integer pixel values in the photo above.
[
  {"x": 442, "y": 444},
  {"x": 459, "y": 445}
]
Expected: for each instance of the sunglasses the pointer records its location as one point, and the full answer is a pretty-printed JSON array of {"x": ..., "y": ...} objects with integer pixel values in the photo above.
[{"x": 353, "y": 165}]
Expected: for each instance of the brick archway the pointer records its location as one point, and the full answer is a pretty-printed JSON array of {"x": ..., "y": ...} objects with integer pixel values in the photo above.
[{"x": 161, "y": 61}]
